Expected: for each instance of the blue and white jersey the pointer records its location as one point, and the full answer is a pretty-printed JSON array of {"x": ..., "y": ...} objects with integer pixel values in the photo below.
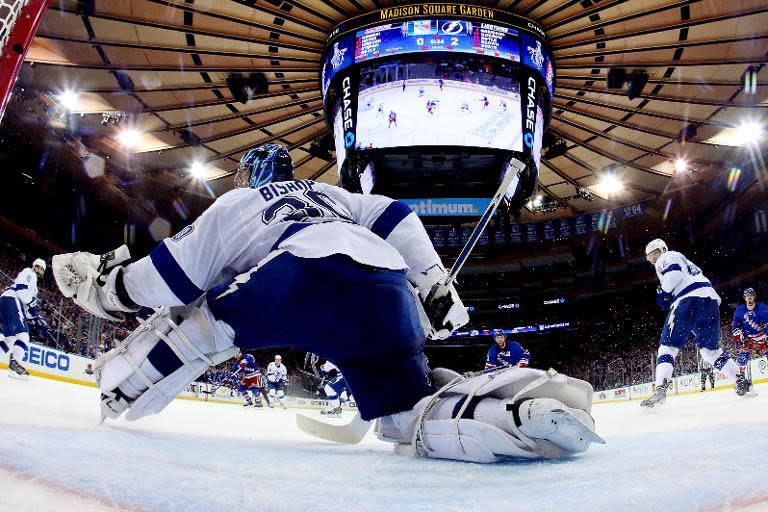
[
  {"x": 681, "y": 278},
  {"x": 24, "y": 287},
  {"x": 329, "y": 369},
  {"x": 750, "y": 324},
  {"x": 513, "y": 354},
  {"x": 277, "y": 373},
  {"x": 304, "y": 218}
]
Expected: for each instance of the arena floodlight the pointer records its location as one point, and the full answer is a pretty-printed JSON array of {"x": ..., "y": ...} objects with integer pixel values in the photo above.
[
  {"x": 681, "y": 165},
  {"x": 197, "y": 169},
  {"x": 750, "y": 132},
  {"x": 611, "y": 184},
  {"x": 129, "y": 137},
  {"x": 68, "y": 100}
]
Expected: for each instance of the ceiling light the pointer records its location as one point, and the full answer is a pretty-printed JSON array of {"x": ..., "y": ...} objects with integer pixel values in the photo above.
[
  {"x": 129, "y": 137},
  {"x": 611, "y": 184},
  {"x": 681, "y": 165},
  {"x": 749, "y": 132},
  {"x": 197, "y": 169},
  {"x": 68, "y": 100}
]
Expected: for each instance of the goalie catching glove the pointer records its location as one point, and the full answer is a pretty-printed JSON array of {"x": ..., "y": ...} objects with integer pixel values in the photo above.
[
  {"x": 442, "y": 304},
  {"x": 95, "y": 282},
  {"x": 509, "y": 413}
]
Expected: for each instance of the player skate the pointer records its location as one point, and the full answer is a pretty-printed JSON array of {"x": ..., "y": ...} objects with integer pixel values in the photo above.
[
  {"x": 658, "y": 397},
  {"x": 17, "y": 371},
  {"x": 744, "y": 387}
]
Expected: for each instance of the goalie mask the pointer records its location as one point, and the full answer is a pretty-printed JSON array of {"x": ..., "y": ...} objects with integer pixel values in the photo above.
[{"x": 262, "y": 165}]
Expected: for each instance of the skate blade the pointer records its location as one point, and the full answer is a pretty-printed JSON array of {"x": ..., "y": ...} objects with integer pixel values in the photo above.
[
  {"x": 651, "y": 409},
  {"x": 17, "y": 376}
]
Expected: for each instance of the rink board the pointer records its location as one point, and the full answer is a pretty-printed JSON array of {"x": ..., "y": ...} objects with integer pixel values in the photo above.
[{"x": 50, "y": 363}]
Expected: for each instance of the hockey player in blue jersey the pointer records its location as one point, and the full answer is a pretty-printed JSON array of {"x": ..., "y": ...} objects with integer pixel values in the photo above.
[
  {"x": 15, "y": 304},
  {"x": 353, "y": 278},
  {"x": 335, "y": 388},
  {"x": 503, "y": 353},
  {"x": 250, "y": 380},
  {"x": 694, "y": 308},
  {"x": 750, "y": 321}
]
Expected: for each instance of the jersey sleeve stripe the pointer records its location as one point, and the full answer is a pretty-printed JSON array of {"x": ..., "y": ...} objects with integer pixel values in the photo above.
[
  {"x": 173, "y": 275},
  {"x": 289, "y": 232},
  {"x": 390, "y": 218},
  {"x": 671, "y": 268}
]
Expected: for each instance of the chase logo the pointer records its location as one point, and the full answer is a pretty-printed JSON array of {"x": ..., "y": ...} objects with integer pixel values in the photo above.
[
  {"x": 47, "y": 358},
  {"x": 528, "y": 139},
  {"x": 452, "y": 28}
]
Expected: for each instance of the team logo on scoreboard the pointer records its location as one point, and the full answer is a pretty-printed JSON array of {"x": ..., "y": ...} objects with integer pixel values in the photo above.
[
  {"x": 452, "y": 28},
  {"x": 537, "y": 56},
  {"x": 338, "y": 56}
]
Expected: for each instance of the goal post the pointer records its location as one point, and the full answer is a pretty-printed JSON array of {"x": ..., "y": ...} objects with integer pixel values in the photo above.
[{"x": 19, "y": 20}]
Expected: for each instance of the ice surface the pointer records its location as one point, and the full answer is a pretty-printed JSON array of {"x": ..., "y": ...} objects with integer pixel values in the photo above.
[
  {"x": 493, "y": 126},
  {"x": 701, "y": 452}
]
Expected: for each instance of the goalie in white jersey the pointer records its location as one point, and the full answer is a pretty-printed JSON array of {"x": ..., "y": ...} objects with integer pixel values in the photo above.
[
  {"x": 694, "y": 308},
  {"x": 314, "y": 267}
]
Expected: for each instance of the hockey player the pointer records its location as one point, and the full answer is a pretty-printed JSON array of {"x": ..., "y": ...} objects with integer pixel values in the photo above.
[
  {"x": 250, "y": 380},
  {"x": 392, "y": 119},
  {"x": 694, "y": 308},
  {"x": 505, "y": 354},
  {"x": 335, "y": 388},
  {"x": 441, "y": 83},
  {"x": 465, "y": 107},
  {"x": 707, "y": 372},
  {"x": 277, "y": 376},
  {"x": 750, "y": 321},
  {"x": 380, "y": 111},
  {"x": 15, "y": 302},
  {"x": 319, "y": 269},
  {"x": 430, "y": 107},
  {"x": 485, "y": 102},
  {"x": 503, "y": 105},
  {"x": 421, "y": 92}
]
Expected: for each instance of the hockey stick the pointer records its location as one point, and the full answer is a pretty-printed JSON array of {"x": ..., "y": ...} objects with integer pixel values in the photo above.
[{"x": 354, "y": 431}]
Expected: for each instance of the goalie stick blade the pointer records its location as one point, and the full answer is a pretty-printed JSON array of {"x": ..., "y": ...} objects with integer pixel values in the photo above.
[{"x": 350, "y": 433}]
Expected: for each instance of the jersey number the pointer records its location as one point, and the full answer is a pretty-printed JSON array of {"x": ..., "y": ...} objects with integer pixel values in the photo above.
[{"x": 311, "y": 204}]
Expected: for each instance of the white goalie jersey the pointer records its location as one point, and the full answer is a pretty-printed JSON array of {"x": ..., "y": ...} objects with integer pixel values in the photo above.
[{"x": 307, "y": 219}]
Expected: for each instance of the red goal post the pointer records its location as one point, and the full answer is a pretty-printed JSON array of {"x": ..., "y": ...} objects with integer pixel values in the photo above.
[{"x": 19, "y": 20}]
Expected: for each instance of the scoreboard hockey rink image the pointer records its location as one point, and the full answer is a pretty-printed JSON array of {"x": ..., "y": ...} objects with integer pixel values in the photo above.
[{"x": 446, "y": 78}]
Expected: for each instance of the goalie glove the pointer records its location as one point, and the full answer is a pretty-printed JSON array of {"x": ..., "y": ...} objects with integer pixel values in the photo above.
[
  {"x": 95, "y": 282},
  {"x": 442, "y": 304}
]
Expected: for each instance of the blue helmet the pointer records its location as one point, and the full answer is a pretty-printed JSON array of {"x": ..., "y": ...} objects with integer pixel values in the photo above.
[
  {"x": 749, "y": 291},
  {"x": 247, "y": 359},
  {"x": 499, "y": 332},
  {"x": 262, "y": 165}
]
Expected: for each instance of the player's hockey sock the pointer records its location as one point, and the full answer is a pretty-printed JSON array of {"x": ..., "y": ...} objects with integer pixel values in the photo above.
[{"x": 20, "y": 347}]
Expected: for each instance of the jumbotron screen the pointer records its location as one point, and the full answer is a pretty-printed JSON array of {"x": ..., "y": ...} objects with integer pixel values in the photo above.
[{"x": 395, "y": 79}]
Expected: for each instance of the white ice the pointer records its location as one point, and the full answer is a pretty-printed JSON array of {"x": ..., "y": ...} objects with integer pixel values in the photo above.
[
  {"x": 494, "y": 126},
  {"x": 701, "y": 452}
]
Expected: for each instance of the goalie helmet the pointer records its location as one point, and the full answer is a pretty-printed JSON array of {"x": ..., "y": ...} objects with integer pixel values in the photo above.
[{"x": 262, "y": 165}]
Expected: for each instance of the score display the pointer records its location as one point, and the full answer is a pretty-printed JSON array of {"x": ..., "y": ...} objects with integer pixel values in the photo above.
[{"x": 437, "y": 35}]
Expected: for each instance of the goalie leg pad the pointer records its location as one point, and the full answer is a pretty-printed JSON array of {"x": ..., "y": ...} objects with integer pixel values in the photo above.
[{"x": 156, "y": 361}]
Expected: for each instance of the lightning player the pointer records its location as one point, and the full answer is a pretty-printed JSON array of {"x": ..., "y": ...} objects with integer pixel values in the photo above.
[
  {"x": 505, "y": 354},
  {"x": 335, "y": 388},
  {"x": 421, "y": 92},
  {"x": 250, "y": 380},
  {"x": 465, "y": 107},
  {"x": 380, "y": 112},
  {"x": 317, "y": 268},
  {"x": 277, "y": 376},
  {"x": 503, "y": 105},
  {"x": 750, "y": 321},
  {"x": 392, "y": 118},
  {"x": 694, "y": 308},
  {"x": 15, "y": 303},
  {"x": 707, "y": 372}
]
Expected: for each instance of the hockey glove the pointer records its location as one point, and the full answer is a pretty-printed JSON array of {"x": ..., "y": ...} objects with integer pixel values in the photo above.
[
  {"x": 663, "y": 299},
  {"x": 95, "y": 282},
  {"x": 442, "y": 305}
]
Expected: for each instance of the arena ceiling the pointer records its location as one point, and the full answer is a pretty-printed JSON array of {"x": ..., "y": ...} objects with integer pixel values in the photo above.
[{"x": 160, "y": 66}]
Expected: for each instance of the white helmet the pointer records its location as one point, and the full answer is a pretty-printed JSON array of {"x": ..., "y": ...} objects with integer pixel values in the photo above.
[
  {"x": 278, "y": 356},
  {"x": 39, "y": 262},
  {"x": 654, "y": 245}
]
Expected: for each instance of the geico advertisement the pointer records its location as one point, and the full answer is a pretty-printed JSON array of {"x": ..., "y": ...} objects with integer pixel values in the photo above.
[{"x": 49, "y": 361}]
